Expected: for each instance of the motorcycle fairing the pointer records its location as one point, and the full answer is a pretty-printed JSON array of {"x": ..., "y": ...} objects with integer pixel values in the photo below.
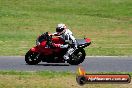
[
  {"x": 47, "y": 50},
  {"x": 82, "y": 43}
]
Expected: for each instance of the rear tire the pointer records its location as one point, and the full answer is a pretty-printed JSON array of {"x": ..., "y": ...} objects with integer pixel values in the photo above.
[
  {"x": 77, "y": 57},
  {"x": 32, "y": 58}
]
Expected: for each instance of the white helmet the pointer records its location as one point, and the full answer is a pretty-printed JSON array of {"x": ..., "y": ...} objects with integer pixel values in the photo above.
[{"x": 60, "y": 28}]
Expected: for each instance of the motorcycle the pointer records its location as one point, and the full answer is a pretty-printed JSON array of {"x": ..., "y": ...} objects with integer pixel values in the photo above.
[{"x": 45, "y": 52}]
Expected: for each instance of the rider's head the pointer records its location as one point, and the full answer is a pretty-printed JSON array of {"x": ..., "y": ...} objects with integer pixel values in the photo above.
[{"x": 61, "y": 28}]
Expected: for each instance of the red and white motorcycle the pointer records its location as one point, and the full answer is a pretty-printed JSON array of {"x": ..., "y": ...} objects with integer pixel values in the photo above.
[{"x": 45, "y": 52}]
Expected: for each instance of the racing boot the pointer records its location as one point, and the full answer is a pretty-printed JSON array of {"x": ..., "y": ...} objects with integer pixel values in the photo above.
[
  {"x": 66, "y": 57},
  {"x": 69, "y": 52}
]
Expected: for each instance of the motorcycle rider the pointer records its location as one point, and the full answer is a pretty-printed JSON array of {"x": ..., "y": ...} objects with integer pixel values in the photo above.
[{"x": 66, "y": 34}]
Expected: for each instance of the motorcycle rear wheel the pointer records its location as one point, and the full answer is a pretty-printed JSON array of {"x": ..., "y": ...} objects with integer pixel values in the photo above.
[
  {"x": 32, "y": 58},
  {"x": 77, "y": 57}
]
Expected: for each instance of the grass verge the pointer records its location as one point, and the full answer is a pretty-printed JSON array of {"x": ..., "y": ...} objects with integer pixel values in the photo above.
[
  {"x": 49, "y": 79},
  {"x": 108, "y": 23}
]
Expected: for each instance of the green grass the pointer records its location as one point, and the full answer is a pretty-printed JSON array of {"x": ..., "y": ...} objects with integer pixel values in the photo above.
[
  {"x": 108, "y": 23},
  {"x": 50, "y": 79},
  {"x": 46, "y": 74},
  {"x": 54, "y": 73}
]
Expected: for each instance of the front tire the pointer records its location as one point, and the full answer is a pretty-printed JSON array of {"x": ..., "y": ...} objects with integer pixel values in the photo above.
[
  {"x": 77, "y": 57},
  {"x": 32, "y": 58}
]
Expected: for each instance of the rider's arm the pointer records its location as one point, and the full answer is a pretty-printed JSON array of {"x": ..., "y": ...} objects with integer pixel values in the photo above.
[
  {"x": 73, "y": 40},
  {"x": 55, "y": 34}
]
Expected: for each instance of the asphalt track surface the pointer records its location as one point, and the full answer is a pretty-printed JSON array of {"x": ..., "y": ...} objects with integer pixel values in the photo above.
[{"x": 91, "y": 64}]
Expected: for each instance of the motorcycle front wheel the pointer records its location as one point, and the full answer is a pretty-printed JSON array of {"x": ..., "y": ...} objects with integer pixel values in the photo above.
[
  {"x": 77, "y": 57},
  {"x": 32, "y": 58}
]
